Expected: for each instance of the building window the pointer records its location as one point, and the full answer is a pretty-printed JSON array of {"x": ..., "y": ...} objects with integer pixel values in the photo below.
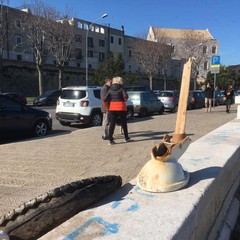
[
  {"x": 129, "y": 68},
  {"x": 101, "y": 43},
  {"x": 18, "y": 23},
  {"x": 78, "y": 38},
  {"x": 19, "y": 57},
  {"x": 66, "y": 64},
  {"x": 206, "y": 65},
  {"x": 18, "y": 40},
  {"x": 120, "y": 41},
  {"x": 90, "y": 54},
  {"x": 101, "y": 56},
  {"x": 112, "y": 39},
  {"x": 204, "y": 49},
  {"x": 90, "y": 42},
  {"x": 78, "y": 53},
  {"x": 214, "y": 49},
  {"x": 130, "y": 53}
]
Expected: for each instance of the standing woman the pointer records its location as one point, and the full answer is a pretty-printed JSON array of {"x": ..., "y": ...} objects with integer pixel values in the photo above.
[
  {"x": 116, "y": 97},
  {"x": 209, "y": 92},
  {"x": 229, "y": 97}
]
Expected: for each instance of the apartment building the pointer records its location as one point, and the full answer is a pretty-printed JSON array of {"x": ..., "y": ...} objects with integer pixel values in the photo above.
[
  {"x": 94, "y": 41},
  {"x": 189, "y": 43}
]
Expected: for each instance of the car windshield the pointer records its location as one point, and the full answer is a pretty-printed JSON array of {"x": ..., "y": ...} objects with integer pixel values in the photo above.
[
  {"x": 73, "y": 94},
  {"x": 47, "y": 93},
  {"x": 166, "y": 94}
]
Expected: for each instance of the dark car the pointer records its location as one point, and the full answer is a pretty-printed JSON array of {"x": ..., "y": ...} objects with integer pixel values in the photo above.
[
  {"x": 219, "y": 98},
  {"x": 17, "y": 96},
  {"x": 16, "y": 118},
  {"x": 48, "y": 98},
  {"x": 196, "y": 99}
]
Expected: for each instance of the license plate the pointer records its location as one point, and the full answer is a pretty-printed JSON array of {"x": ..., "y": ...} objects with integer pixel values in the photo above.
[{"x": 68, "y": 104}]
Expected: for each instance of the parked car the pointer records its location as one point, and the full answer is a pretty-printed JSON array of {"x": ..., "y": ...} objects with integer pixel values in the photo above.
[
  {"x": 136, "y": 88},
  {"x": 48, "y": 98},
  {"x": 145, "y": 103},
  {"x": 196, "y": 99},
  {"x": 17, "y": 96},
  {"x": 17, "y": 118},
  {"x": 81, "y": 104},
  {"x": 170, "y": 99},
  {"x": 219, "y": 98}
]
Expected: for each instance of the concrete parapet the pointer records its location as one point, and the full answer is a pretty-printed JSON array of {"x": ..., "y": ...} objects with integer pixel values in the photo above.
[{"x": 199, "y": 211}]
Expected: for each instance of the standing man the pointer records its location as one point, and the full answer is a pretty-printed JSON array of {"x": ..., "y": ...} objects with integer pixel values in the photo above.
[
  {"x": 209, "y": 92},
  {"x": 105, "y": 121},
  {"x": 116, "y": 100}
]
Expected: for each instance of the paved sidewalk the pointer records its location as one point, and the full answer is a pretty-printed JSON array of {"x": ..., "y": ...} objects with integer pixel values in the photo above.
[{"x": 30, "y": 168}]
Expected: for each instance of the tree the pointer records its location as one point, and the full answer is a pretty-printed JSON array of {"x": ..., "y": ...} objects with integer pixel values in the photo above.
[
  {"x": 224, "y": 76},
  {"x": 61, "y": 38},
  {"x": 109, "y": 68},
  {"x": 35, "y": 29},
  {"x": 3, "y": 25},
  {"x": 149, "y": 56},
  {"x": 191, "y": 45},
  {"x": 166, "y": 56}
]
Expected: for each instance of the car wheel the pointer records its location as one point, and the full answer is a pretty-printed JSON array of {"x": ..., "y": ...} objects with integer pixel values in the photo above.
[
  {"x": 50, "y": 102},
  {"x": 130, "y": 113},
  {"x": 96, "y": 119},
  {"x": 175, "y": 109},
  {"x": 161, "y": 111},
  {"x": 64, "y": 123},
  {"x": 143, "y": 112},
  {"x": 40, "y": 128}
]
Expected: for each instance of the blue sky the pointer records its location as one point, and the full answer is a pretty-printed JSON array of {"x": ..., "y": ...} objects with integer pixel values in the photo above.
[{"x": 221, "y": 17}]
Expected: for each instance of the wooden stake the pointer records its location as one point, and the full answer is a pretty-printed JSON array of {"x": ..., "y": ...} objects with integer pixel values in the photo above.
[{"x": 179, "y": 133}]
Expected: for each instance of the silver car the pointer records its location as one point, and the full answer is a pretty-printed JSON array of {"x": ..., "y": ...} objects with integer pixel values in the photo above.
[{"x": 170, "y": 99}]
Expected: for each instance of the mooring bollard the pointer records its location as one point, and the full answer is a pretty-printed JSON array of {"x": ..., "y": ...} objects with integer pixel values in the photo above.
[{"x": 163, "y": 173}]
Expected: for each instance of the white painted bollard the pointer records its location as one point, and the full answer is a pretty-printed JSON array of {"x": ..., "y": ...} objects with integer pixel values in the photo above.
[
  {"x": 3, "y": 235},
  {"x": 237, "y": 101}
]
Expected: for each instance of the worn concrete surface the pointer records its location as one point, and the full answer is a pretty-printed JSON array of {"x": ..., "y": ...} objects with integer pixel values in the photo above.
[{"x": 30, "y": 168}]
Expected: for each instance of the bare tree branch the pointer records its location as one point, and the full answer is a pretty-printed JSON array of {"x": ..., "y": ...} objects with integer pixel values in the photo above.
[
  {"x": 151, "y": 56},
  {"x": 35, "y": 29},
  {"x": 61, "y": 43}
]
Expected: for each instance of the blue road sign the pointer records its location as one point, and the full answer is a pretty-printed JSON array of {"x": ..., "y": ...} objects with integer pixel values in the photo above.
[{"x": 215, "y": 60}]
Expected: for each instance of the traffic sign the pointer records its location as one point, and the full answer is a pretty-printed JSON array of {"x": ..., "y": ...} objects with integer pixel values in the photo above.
[
  {"x": 215, "y": 64},
  {"x": 215, "y": 60}
]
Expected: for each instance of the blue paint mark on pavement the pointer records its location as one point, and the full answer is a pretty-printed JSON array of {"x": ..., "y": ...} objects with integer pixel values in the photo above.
[{"x": 109, "y": 228}]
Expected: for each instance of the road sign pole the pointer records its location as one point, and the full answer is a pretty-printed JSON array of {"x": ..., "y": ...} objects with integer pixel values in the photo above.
[{"x": 214, "y": 87}]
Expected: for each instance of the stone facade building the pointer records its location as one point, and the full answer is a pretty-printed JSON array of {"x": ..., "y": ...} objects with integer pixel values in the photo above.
[{"x": 17, "y": 60}]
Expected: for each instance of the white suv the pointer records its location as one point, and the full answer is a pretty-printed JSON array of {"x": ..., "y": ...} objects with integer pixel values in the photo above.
[{"x": 81, "y": 104}]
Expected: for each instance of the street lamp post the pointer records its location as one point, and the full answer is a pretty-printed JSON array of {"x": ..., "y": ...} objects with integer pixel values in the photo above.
[{"x": 89, "y": 27}]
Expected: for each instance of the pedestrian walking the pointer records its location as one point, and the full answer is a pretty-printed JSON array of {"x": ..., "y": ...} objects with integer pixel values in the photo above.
[
  {"x": 115, "y": 101},
  {"x": 209, "y": 92},
  {"x": 105, "y": 121},
  {"x": 228, "y": 94}
]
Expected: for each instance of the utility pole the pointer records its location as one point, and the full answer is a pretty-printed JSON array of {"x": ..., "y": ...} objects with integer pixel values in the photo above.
[{"x": 1, "y": 44}]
